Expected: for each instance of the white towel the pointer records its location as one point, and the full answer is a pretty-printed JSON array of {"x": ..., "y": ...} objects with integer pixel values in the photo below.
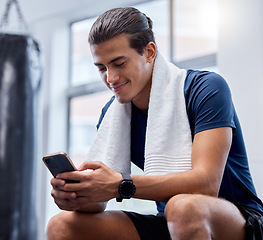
[{"x": 168, "y": 143}]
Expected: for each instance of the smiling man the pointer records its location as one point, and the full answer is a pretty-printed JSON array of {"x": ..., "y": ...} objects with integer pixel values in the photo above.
[
  {"x": 124, "y": 71},
  {"x": 180, "y": 127}
]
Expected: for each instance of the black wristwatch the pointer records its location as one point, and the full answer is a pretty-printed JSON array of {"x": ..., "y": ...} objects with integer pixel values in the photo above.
[{"x": 126, "y": 188}]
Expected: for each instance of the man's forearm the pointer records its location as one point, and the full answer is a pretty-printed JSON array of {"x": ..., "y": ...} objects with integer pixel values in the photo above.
[{"x": 162, "y": 188}]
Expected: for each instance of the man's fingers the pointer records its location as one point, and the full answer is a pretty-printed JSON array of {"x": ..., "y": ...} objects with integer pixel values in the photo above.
[
  {"x": 56, "y": 183},
  {"x": 57, "y": 194},
  {"x": 75, "y": 176},
  {"x": 92, "y": 165},
  {"x": 65, "y": 204}
]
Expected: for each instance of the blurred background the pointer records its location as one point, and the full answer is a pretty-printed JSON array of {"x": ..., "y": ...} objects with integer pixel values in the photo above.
[{"x": 224, "y": 36}]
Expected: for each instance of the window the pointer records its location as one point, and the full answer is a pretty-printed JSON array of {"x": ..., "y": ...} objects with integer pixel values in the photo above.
[
  {"x": 194, "y": 29},
  {"x": 84, "y": 114},
  {"x": 82, "y": 69}
]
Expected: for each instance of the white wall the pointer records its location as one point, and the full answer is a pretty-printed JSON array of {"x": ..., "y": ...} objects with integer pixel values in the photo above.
[{"x": 240, "y": 61}]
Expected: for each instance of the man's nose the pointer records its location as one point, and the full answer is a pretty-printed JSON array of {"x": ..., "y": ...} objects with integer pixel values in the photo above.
[{"x": 112, "y": 76}]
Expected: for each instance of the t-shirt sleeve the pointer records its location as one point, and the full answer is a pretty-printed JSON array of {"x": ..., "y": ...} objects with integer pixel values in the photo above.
[{"x": 209, "y": 101}]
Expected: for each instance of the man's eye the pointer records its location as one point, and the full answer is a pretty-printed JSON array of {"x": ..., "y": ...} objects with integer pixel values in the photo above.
[
  {"x": 119, "y": 65},
  {"x": 102, "y": 69}
]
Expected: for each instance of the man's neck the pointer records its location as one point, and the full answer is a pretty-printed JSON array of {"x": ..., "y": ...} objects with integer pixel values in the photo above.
[{"x": 142, "y": 102}]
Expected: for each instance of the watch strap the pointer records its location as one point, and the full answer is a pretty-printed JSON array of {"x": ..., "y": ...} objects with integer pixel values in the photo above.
[{"x": 126, "y": 176}]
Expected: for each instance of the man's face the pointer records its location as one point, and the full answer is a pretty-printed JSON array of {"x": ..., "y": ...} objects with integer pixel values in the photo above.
[{"x": 125, "y": 72}]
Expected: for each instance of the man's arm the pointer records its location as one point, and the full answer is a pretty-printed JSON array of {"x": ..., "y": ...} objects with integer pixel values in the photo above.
[{"x": 209, "y": 154}]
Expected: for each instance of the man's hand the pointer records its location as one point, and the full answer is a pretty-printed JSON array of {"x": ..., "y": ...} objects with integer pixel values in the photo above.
[{"x": 93, "y": 188}]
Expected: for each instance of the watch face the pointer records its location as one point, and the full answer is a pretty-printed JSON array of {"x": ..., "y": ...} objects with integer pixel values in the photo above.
[{"x": 127, "y": 189}]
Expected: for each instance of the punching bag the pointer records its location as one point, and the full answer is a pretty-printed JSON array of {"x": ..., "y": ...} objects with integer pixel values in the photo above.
[{"x": 20, "y": 74}]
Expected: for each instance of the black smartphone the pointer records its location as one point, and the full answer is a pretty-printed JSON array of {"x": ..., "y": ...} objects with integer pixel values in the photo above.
[{"x": 59, "y": 163}]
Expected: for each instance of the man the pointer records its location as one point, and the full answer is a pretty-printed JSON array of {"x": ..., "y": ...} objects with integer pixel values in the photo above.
[{"x": 180, "y": 127}]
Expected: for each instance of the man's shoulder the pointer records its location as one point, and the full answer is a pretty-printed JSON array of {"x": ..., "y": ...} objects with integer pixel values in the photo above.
[
  {"x": 202, "y": 83},
  {"x": 208, "y": 101},
  {"x": 197, "y": 78}
]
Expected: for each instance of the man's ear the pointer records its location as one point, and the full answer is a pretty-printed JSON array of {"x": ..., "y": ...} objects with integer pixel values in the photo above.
[{"x": 150, "y": 52}]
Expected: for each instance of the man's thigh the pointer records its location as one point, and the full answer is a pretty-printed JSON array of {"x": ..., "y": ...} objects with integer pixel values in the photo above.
[
  {"x": 77, "y": 225},
  {"x": 223, "y": 218}
]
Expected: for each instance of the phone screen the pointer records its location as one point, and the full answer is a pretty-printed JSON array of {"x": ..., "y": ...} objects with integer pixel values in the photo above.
[{"x": 59, "y": 163}]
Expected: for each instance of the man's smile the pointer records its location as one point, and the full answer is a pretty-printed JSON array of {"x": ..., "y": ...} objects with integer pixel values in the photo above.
[{"x": 119, "y": 87}]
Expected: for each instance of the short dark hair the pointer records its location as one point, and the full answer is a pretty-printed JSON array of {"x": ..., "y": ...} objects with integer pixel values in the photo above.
[{"x": 116, "y": 21}]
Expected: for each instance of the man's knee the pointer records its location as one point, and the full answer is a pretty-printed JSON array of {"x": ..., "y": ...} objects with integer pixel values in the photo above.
[
  {"x": 60, "y": 226},
  {"x": 186, "y": 204},
  {"x": 186, "y": 213}
]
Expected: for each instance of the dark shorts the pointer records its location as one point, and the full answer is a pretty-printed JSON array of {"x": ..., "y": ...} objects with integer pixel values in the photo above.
[
  {"x": 254, "y": 223},
  {"x": 154, "y": 227},
  {"x": 150, "y": 227}
]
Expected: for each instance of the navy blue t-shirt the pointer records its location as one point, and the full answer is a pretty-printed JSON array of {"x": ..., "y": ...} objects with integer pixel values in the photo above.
[{"x": 209, "y": 105}]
